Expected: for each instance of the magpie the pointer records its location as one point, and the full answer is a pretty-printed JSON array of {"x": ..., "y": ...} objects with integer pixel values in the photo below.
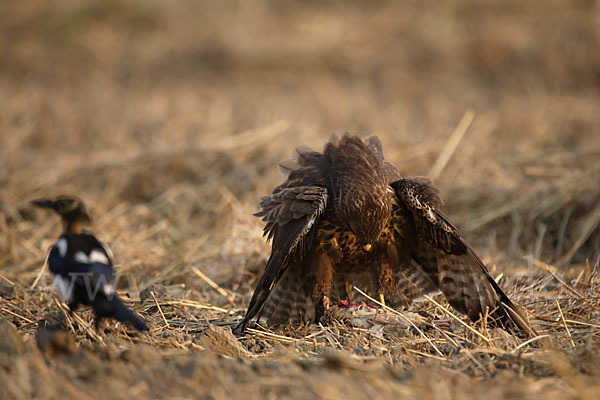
[{"x": 81, "y": 266}]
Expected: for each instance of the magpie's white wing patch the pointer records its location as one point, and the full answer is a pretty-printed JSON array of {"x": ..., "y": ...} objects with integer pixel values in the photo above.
[
  {"x": 62, "y": 245},
  {"x": 99, "y": 257},
  {"x": 95, "y": 256},
  {"x": 81, "y": 257}
]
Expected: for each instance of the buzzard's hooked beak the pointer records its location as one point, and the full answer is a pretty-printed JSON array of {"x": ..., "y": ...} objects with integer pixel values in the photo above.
[{"x": 367, "y": 247}]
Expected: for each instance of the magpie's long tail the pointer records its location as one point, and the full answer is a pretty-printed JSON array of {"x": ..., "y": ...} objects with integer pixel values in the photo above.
[{"x": 114, "y": 308}]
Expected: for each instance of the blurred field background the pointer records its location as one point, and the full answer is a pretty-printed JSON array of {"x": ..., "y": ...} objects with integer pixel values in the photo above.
[{"x": 168, "y": 119}]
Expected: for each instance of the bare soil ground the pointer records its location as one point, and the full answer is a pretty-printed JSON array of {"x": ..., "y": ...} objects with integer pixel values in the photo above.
[{"x": 168, "y": 119}]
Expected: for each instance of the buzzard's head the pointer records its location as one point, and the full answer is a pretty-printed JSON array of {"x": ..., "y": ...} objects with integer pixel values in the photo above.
[
  {"x": 366, "y": 211},
  {"x": 362, "y": 197}
]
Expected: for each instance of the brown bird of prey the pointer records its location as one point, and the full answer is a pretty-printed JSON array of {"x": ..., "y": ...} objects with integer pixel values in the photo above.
[{"x": 346, "y": 217}]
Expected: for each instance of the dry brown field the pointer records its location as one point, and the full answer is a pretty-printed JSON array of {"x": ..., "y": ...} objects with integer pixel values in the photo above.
[{"x": 168, "y": 119}]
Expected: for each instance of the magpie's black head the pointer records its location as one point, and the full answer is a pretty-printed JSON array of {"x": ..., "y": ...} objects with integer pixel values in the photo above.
[{"x": 71, "y": 210}]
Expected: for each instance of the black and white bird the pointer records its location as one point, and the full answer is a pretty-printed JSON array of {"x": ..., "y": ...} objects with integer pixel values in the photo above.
[{"x": 81, "y": 266}]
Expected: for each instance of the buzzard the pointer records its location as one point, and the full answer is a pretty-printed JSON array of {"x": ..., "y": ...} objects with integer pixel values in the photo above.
[{"x": 346, "y": 217}]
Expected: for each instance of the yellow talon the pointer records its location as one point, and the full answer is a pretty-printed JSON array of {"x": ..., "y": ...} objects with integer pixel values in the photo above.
[{"x": 381, "y": 299}]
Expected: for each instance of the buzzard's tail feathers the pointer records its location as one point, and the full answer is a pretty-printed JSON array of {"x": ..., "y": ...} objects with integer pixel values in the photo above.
[
  {"x": 412, "y": 283},
  {"x": 286, "y": 302}
]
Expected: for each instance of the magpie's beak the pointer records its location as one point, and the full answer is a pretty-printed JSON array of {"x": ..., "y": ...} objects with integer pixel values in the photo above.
[
  {"x": 43, "y": 203},
  {"x": 367, "y": 247}
]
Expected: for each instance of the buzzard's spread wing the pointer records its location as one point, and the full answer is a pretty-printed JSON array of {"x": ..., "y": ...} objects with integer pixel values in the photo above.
[
  {"x": 289, "y": 214},
  {"x": 445, "y": 257}
]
